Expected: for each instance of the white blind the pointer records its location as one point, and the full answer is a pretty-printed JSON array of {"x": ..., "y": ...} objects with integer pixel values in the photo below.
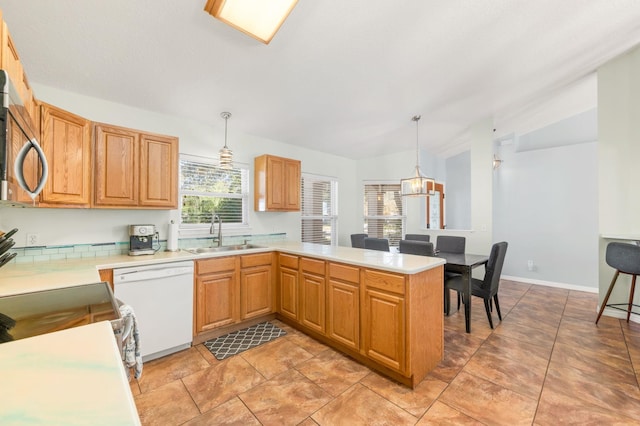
[
  {"x": 205, "y": 188},
  {"x": 319, "y": 209},
  {"x": 383, "y": 211}
]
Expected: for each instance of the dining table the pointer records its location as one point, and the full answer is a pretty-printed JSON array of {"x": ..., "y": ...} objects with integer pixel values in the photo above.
[{"x": 464, "y": 263}]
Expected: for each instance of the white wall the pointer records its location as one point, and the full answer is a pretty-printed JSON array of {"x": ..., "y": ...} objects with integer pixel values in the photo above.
[
  {"x": 618, "y": 161},
  {"x": 68, "y": 226},
  {"x": 545, "y": 206}
]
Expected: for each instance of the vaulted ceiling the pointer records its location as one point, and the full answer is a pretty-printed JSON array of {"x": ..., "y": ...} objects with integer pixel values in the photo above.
[{"x": 341, "y": 76}]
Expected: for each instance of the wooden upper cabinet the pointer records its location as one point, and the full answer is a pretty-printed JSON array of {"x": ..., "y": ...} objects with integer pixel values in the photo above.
[
  {"x": 135, "y": 169},
  {"x": 116, "y": 166},
  {"x": 276, "y": 184},
  {"x": 158, "y": 171},
  {"x": 66, "y": 141}
]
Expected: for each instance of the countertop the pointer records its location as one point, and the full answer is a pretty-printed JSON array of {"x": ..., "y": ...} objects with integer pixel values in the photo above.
[
  {"x": 18, "y": 278},
  {"x": 70, "y": 377}
]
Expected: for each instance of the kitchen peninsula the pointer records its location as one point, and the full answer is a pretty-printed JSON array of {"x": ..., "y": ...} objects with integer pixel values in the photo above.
[{"x": 383, "y": 309}]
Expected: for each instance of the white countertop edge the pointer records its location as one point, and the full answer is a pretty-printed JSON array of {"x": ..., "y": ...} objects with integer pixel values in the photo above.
[{"x": 630, "y": 237}]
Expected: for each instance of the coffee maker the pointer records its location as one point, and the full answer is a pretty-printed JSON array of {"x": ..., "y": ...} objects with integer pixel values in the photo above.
[{"x": 141, "y": 239}]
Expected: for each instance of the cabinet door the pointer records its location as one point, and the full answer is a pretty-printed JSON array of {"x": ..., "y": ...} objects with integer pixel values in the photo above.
[
  {"x": 343, "y": 323},
  {"x": 255, "y": 292},
  {"x": 276, "y": 182},
  {"x": 384, "y": 329},
  {"x": 116, "y": 167},
  {"x": 291, "y": 185},
  {"x": 216, "y": 300},
  {"x": 288, "y": 294},
  {"x": 313, "y": 302},
  {"x": 158, "y": 171},
  {"x": 66, "y": 141}
]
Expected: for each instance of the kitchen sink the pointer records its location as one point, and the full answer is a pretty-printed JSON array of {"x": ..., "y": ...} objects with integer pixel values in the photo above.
[{"x": 205, "y": 250}]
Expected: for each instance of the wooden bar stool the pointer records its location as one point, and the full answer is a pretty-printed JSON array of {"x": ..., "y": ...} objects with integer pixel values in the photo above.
[{"x": 625, "y": 258}]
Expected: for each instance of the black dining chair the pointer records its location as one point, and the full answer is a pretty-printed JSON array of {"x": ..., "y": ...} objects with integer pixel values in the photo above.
[
  {"x": 450, "y": 244},
  {"x": 357, "y": 240},
  {"x": 486, "y": 288},
  {"x": 422, "y": 248},
  {"x": 625, "y": 258},
  {"x": 381, "y": 244},
  {"x": 417, "y": 237}
]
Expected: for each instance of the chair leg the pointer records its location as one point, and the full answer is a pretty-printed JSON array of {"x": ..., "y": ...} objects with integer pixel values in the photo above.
[
  {"x": 447, "y": 302},
  {"x": 633, "y": 289},
  {"x": 495, "y": 299},
  {"x": 459, "y": 299},
  {"x": 606, "y": 298},
  {"x": 486, "y": 308}
]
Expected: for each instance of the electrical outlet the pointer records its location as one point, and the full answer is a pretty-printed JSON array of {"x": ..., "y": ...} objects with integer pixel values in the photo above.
[
  {"x": 530, "y": 265},
  {"x": 33, "y": 240}
]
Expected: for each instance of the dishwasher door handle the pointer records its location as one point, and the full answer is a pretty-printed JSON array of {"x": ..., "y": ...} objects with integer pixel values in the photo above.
[{"x": 151, "y": 274}]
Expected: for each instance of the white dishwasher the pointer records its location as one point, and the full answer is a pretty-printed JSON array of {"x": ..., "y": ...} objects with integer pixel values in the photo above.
[{"x": 162, "y": 299}]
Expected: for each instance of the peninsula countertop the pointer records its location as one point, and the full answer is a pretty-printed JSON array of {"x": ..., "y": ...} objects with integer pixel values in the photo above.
[
  {"x": 19, "y": 278},
  {"x": 70, "y": 377}
]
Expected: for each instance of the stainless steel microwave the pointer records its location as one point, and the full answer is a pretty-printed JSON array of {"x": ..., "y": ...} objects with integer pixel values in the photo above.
[{"x": 23, "y": 166}]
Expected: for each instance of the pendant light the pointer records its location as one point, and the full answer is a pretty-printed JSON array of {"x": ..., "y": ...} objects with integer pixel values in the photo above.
[
  {"x": 226, "y": 155},
  {"x": 418, "y": 185}
]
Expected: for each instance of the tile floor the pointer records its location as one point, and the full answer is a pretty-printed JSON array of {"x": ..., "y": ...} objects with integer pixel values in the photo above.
[{"x": 546, "y": 363}]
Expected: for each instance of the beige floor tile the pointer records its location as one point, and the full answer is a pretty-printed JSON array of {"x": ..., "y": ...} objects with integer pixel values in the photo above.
[
  {"x": 487, "y": 402},
  {"x": 173, "y": 367},
  {"x": 512, "y": 364},
  {"x": 232, "y": 412},
  {"x": 361, "y": 406},
  {"x": 134, "y": 386},
  {"x": 594, "y": 389},
  {"x": 307, "y": 343},
  {"x": 459, "y": 347},
  {"x": 170, "y": 404},
  {"x": 537, "y": 334},
  {"x": 206, "y": 354},
  {"x": 287, "y": 399},
  {"x": 220, "y": 383},
  {"x": 563, "y": 409},
  {"x": 275, "y": 357},
  {"x": 415, "y": 401},
  {"x": 333, "y": 371},
  {"x": 442, "y": 415}
]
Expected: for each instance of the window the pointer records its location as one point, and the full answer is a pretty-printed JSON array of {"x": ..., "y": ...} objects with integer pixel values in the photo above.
[
  {"x": 383, "y": 211},
  {"x": 319, "y": 209},
  {"x": 206, "y": 188}
]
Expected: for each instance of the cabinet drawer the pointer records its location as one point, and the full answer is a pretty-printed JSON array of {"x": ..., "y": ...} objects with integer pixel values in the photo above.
[
  {"x": 312, "y": 265},
  {"x": 288, "y": 261},
  {"x": 344, "y": 272},
  {"x": 384, "y": 281},
  {"x": 249, "y": 260},
  {"x": 220, "y": 264}
]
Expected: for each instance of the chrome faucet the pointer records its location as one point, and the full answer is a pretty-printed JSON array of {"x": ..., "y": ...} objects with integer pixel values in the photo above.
[{"x": 215, "y": 217}]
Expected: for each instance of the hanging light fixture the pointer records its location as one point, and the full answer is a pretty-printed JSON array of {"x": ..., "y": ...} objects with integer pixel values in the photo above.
[
  {"x": 418, "y": 185},
  {"x": 226, "y": 155}
]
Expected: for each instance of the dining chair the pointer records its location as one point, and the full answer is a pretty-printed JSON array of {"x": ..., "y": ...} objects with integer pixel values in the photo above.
[
  {"x": 381, "y": 244},
  {"x": 357, "y": 240},
  {"x": 417, "y": 237},
  {"x": 422, "y": 248},
  {"x": 486, "y": 288},
  {"x": 625, "y": 258},
  {"x": 450, "y": 244}
]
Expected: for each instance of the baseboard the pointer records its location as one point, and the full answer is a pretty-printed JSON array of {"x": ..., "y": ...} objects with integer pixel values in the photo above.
[
  {"x": 609, "y": 312},
  {"x": 550, "y": 284}
]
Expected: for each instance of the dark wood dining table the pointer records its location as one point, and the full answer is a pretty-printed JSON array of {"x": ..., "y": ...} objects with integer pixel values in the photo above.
[{"x": 464, "y": 263}]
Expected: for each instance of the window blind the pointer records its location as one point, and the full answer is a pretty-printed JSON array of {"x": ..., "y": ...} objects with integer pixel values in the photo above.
[
  {"x": 383, "y": 211},
  {"x": 206, "y": 188},
  {"x": 319, "y": 210}
]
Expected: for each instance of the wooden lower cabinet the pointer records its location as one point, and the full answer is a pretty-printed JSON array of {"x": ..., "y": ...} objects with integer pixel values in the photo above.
[
  {"x": 232, "y": 289},
  {"x": 256, "y": 286},
  {"x": 312, "y": 299},
  {"x": 343, "y": 304},
  {"x": 384, "y": 328},
  {"x": 288, "y": 286}
]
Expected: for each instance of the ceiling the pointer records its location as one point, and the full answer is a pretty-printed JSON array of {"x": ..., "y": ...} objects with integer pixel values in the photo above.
[{"x": 340, "y": 76}]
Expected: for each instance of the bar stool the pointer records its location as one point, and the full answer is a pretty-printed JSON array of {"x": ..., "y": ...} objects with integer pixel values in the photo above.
[{"x": 625, "y": 258}]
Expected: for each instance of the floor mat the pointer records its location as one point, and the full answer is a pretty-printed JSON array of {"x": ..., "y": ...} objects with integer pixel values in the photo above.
[{"x": 239, "y": 341}]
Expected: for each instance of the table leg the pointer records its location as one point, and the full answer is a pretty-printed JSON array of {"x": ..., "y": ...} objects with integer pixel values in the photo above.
[{"x": 466, "y": 278}]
